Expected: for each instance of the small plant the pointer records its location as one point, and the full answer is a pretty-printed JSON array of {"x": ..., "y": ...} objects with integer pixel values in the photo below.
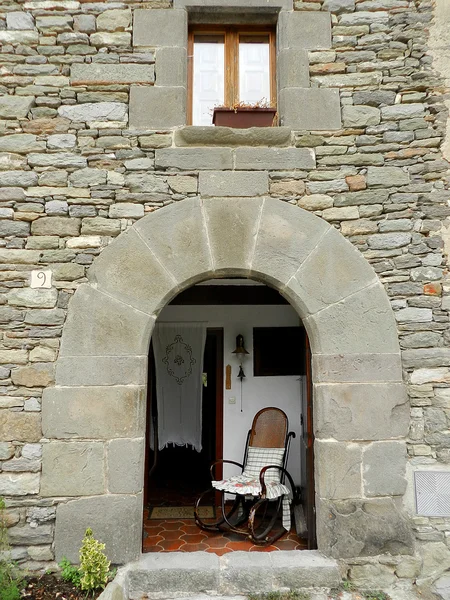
[
  {"x": 94, "y": 565},
  {"x": 263, "y": 103},
  {"x": 70, "y": 573},
  {"x": 10, "y": 581}
]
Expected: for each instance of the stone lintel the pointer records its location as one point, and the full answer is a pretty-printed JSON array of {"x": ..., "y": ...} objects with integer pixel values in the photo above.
[{"x": 235, "y": 5}]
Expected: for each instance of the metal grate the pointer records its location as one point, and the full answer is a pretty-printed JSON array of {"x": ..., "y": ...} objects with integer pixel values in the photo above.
[{"x": 432, "y": 493}]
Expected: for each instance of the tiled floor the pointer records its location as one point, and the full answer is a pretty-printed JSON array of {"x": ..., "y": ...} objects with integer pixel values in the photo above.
[{"x": 183, "y": 535}]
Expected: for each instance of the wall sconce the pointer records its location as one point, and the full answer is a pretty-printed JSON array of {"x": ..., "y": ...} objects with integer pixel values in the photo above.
[{"x": 240, "y": 352}]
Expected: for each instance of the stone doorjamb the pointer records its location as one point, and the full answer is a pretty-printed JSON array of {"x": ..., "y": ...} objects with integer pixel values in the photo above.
[{"x": 97, "y": 408}]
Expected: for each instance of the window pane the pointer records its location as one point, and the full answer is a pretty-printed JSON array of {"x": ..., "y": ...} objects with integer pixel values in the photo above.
[
  {"x": 254, "y": 68},
  {"x": 209, "y": 77}
]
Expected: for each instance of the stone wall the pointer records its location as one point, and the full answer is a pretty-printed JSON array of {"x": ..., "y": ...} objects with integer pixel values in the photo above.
[{"x": 73, "y": 176}]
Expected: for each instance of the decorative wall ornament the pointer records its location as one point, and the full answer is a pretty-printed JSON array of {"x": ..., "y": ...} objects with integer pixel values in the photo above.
[{"x": 179, "y": 359}]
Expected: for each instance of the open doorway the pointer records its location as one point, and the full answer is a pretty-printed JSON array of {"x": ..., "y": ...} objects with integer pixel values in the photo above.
[{"x": 177, "y": 476}]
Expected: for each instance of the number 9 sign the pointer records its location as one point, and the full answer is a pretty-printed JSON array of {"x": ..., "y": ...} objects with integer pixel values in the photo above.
[{"x": 41, "y": 278}]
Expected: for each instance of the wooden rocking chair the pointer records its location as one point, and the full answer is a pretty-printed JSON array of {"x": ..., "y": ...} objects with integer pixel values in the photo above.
[{"x": 260, "y": 493}]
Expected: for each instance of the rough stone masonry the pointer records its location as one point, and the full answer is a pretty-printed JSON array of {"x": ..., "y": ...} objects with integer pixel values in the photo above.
[{"x": 92, "y": 115}]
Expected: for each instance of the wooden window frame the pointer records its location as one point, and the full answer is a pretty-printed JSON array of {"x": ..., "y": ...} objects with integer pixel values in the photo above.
[{"x": 231, "y": 50}]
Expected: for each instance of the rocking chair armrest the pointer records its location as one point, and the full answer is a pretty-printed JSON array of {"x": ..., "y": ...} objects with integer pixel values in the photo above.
[
  {"x": 221, "y": 460},
  {"x": 263, "y": 483}
]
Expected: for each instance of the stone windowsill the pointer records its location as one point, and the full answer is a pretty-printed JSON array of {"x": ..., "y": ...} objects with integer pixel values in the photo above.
[{"x": 228, "y": 136}]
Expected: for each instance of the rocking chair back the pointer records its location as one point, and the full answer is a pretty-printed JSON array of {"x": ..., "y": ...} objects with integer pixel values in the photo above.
[{"x": 269, "y": 429}]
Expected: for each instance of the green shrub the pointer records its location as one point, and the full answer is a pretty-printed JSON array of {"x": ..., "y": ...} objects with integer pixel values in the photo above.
[
  {"x": 94, "y": 565},
  {"x": 70, "y": 573}
]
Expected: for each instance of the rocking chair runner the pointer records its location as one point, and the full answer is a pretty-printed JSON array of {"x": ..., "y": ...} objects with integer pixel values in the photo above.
[{"x": 260, "y": 493}]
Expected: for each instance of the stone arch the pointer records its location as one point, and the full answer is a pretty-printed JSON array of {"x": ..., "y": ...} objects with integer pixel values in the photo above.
[{"x": 97, "y": 406}]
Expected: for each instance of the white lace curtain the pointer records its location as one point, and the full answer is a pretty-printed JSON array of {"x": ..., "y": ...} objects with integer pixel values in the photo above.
[{"x": 179, "y": 349}]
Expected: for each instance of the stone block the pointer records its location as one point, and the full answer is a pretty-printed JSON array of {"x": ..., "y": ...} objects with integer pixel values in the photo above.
[
  {"x": 174, "y": 572},
  {"x": 24, "y": 535},
  {"x": 286, "y": 236},
  {"x": 93, "y": 112},
  {"x": 360, "y": 116},
  {"x": 338, "y": 469},
  {"x": 236, "y": 5},
  {"x": 372, "y": 575},
  {"x": 323, "y": 111},
  {"x": 116, "y": 38},
  {"x": 21, "y": 143},
  {"x": 190, "y": 159},
  {"x": 243, "y": 573},
  {"x": 292, "y": 68},
  {"x": 171, "y": 67},
  {"x": 356, "y": 528},
  {"x": 368, "y": 310},
  {"x": 19, "y": 426},
  {"x": 123, "y": 540},
  {"x": 357, "y": 368},
  {"x": 303, "y": 29},
  {"x": 160, "y": 27},
  {"x": 61, "y": 226},
  {"x": 343, "y": 271},
  {"x": 100, "y": 226},
  {"x": 272, "y": 159},
  {"x": 20, "y": 179},
  {"x": 174, "y": 232},
  {"x": 361, "y": 411},
  {"x": 114, "y": 20},
  {"x": 154, "y": 107},
  {"x": 126, "y": 210},
  {"x": 233, "y": 183},
  {"x": 19, "y": 484},
  {"x": 99, "y": 325},
  {"x": 111, "y": 73},
  {"x": 72, "y": 469},
  {"x": 19, "y": 357},
  {"x": 232, "y": 228},
  {"x": 296, "y": 569},
  {"x": 60, "y": 159},
  {"x": 387, "y": 177},
  {"x": 384, "y": 465},
  {"x": 125, "y": 466},
  {"x": 32, "y": 298},
  {"x": 38, "y": 375},
  {"x": 130, "y": 272},
  {"x": 19, "y": 20},
  {"x": 93, "y": 412},
  {"x": 229, "y": 136},
  {"x": 101, "y": 370},
  {"x": 15, "y": 107}
]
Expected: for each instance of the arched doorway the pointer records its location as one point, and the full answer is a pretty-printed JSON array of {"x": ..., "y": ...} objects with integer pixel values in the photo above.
[{"x": 97, "y": 404}]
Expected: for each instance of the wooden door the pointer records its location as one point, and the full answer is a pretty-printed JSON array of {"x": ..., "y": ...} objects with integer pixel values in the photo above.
[{"x": 307, "y": 451}]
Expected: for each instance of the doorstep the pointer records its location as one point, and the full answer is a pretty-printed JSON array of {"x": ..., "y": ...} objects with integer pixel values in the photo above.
[{"x": 167, "y": 575}]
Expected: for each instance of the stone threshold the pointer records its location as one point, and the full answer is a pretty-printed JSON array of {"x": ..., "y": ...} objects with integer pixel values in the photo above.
[
  {"x": 174, "y": 574},
  {"x": 193, "y": 135}
]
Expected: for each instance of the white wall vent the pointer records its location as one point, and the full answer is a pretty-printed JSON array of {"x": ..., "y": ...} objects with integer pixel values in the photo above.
[{"x": 432, "y": 493}]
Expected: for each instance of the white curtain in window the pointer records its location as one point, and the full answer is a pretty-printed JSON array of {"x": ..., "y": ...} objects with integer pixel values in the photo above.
[{"x": 179, "y": 349}]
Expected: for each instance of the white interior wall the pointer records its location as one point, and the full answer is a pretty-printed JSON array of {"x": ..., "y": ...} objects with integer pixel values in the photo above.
[{"x": 258, "y": 392}]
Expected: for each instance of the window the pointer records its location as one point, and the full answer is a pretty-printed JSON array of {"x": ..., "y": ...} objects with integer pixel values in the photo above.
[
  {"x": 228, "y": 65},
  {"x": 278, "y": 351}
]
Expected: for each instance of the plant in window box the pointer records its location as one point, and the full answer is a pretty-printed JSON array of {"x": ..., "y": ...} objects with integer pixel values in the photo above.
[{"x": 242, "y": 115}]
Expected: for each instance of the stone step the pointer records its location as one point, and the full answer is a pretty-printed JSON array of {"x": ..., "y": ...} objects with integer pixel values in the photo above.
[{"x": 174, "y": 574}]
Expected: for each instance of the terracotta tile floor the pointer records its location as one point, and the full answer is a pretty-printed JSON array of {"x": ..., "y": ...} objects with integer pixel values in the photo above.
[{"x": 183, "y": 535}]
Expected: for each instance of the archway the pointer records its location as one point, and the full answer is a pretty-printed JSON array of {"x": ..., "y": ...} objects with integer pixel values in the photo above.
[{"x": 97, "y": 404}]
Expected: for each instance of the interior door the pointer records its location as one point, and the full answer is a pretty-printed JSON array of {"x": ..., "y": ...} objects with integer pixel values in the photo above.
[{"x": 307, "y": 451}]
